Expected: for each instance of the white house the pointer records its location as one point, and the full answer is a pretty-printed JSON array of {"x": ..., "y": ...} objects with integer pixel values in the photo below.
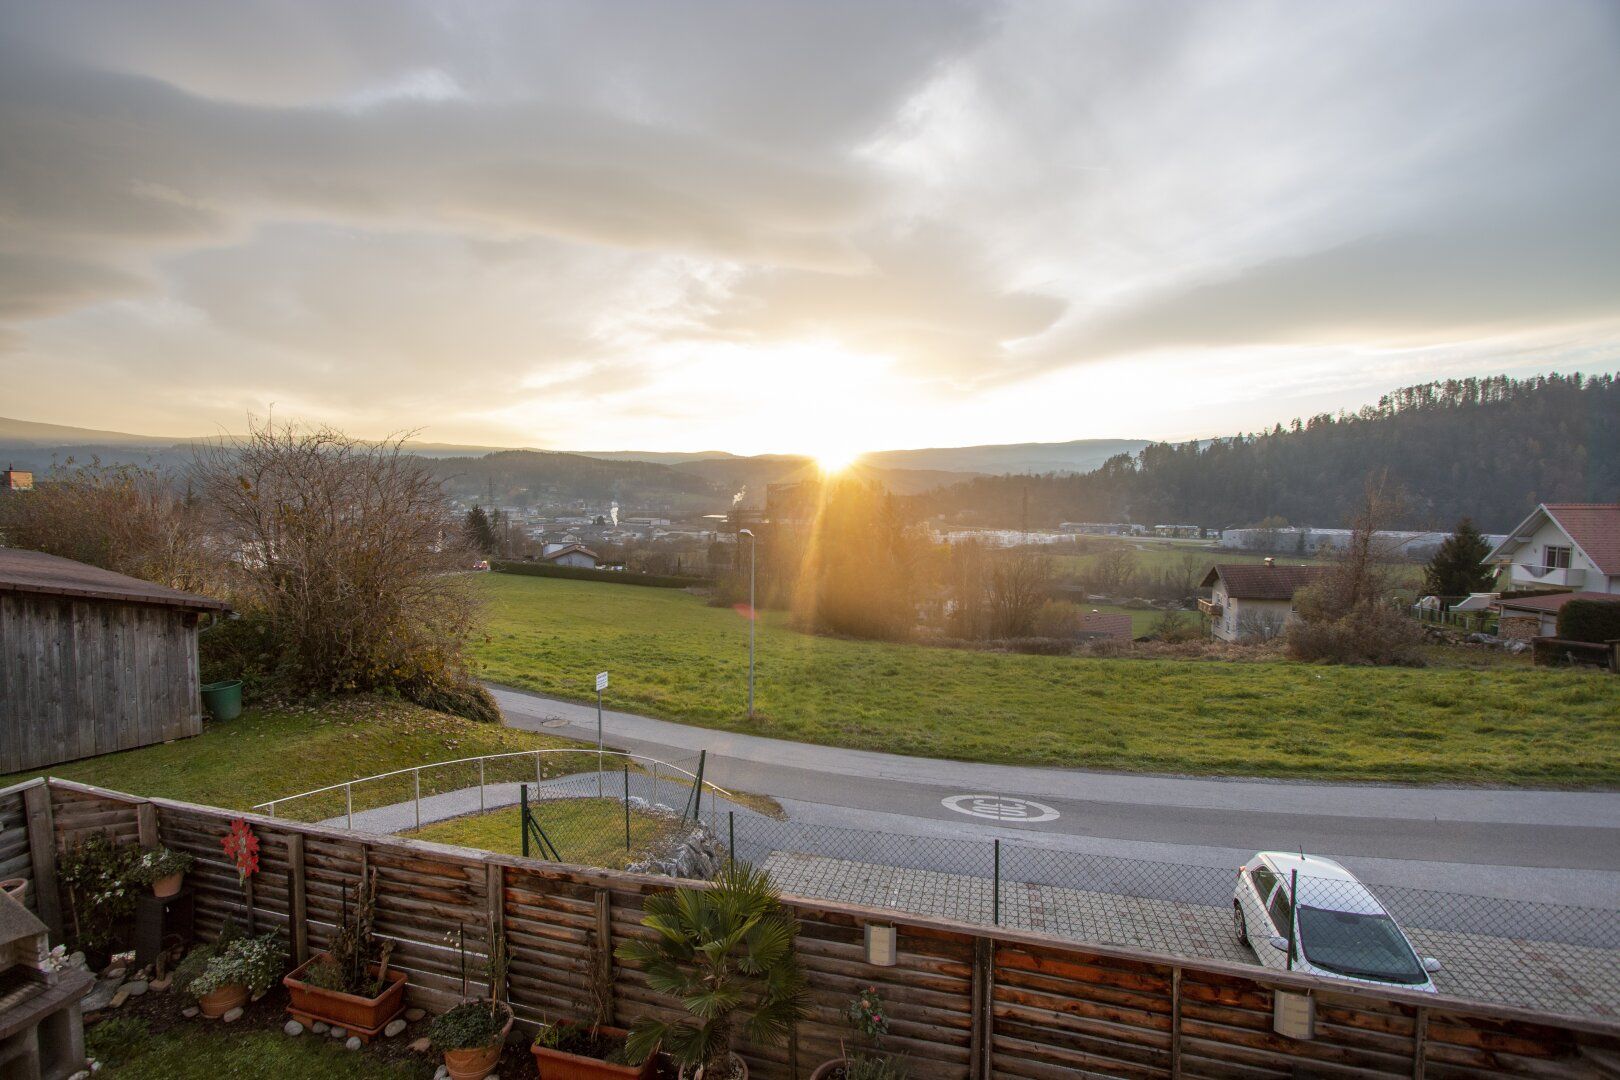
[
  {"x": 1573, "y": 548},
  {"x": 1253, "y": 601},
  {"x": 570, "y": 555}
]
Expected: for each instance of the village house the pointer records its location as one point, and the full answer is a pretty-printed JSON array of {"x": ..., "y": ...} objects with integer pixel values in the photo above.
[
  {"x": 575, "y": 555},
  {"x": 1253, "y": 601},
  {"x": 1563, "y": 552}
]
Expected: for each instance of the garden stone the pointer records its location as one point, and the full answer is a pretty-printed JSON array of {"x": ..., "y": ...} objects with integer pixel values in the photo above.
[
  {"x": 412, "y": 1015},
  {"x": 100, "y": 997},
  {"x": 114, "y": 973},
  {"x": 339, "y": 1033},
  {"x": 136, "y": 987},
  {"x": 319, "y": 1027},
  {"x": 190, "y": 1012},
  {"x": 422, "y": 1045},
  {"x": 394, "y": 1028},
  {"x": 444, "y": 1071},
  {"x": 233, "y": 1016},
  {"x": 119, "y": 998},
  {"x": 162, "y": 984},
  {"x": 293, "y": 1027},
  {"x": 353, "y": 1043},
  {"x": 82, "y": 1074}
]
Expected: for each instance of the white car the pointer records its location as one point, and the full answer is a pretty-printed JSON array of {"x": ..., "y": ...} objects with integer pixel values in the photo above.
[{"x": 1330, "y": 924}]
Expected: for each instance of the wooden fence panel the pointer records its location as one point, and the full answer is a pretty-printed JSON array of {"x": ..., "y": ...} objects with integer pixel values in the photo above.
[{"x": 963, "y": 1001}]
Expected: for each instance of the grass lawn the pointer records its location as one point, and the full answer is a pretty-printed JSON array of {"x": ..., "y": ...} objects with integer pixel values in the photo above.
[
  {"x": 673, "y": 656},
  {"x": 215, "y": 1052},
  {"x": 271, "y": 753},
  {"x": 587, "y": 832}
]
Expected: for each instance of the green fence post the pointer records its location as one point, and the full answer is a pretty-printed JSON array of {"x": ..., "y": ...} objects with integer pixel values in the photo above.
[
  {"x": 627, "y": 806},
  {"x": 1293, "y": 913},
  {"x": 996, "y": 903},
  {"x": 523, "y": 816},
  {"x": 697, "y": 805}
]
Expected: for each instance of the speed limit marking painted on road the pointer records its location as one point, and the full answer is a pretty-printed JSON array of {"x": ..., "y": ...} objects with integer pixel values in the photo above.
[{"x": 1001, "y": 808}]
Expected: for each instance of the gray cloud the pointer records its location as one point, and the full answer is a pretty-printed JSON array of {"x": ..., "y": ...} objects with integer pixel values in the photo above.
[{"x": 339, "y": 205}]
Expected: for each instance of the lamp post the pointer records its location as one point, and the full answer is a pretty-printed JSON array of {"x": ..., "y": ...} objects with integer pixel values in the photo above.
[{"x": 752, "y": 614}]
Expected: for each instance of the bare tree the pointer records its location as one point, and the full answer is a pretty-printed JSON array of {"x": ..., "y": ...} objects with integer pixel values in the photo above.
[
  {"x": 132, "y": 520},
  {"x": 1113, "y": 567},
  {"x": 1015, "y": 588},
  {"x": 345, "y": 551}
]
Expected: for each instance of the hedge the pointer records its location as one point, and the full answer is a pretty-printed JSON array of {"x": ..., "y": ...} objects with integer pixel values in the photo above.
[
  {"x": 580, "y": 573},
  {"x": 1590, "y": 620}
]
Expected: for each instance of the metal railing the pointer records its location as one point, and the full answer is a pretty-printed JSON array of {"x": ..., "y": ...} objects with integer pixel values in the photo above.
[{"x": 448, "y": 786}]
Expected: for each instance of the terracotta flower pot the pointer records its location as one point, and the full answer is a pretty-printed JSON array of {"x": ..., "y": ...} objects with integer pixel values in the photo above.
[
  {"x": 362, "y": 1016},
  {"x": 167, "y": 886},
  {"x": 480, "y": 1061},
  {"x": 223, "y": 1000},
  {"x": 561, "y": 1065},
  {"x": 828, "y": 1069},
  {"x": 16, "y": 888}
]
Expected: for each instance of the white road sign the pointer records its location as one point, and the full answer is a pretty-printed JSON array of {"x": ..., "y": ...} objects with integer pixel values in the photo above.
[{"x": 601, "y": 681}]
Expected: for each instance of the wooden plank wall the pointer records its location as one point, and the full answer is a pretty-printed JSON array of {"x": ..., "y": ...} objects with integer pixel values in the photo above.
[
  {"x": 964, "y": 1001},
  {"x": 80, "y": 678}
]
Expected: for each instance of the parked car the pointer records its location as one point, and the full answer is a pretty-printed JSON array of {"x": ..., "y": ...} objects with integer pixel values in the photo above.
[{"x": 1331, "y": 923}]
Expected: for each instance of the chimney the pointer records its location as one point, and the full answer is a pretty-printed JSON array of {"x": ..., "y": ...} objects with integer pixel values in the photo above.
[{"x": 1270, "y": 561}]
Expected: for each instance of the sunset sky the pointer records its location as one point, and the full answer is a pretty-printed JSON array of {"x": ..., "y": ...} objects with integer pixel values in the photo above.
[{"x": 800, "y": 226}]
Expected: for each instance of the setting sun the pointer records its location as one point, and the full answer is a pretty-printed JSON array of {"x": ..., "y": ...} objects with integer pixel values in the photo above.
[{"x": 836, "y": 459}]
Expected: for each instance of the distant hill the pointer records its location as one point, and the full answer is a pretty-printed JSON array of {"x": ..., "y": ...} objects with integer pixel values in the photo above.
[
  {"x": 1488, "y": 448},
  {"x": 1079, "y": 456}
]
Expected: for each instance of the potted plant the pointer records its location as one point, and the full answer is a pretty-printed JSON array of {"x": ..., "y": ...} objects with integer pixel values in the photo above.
[
  {"x": 472, "y": 1035},
  {"x": 162, "y": 869},
  {"x": 224, "y": 974},
  {"x": 566, "y": 1050},
  {"x": 866, "y": 1015},
  {"x": 96, "y": 873},
  {"x": 350, "y": 984},
  {"x": 727, "y": 954}
]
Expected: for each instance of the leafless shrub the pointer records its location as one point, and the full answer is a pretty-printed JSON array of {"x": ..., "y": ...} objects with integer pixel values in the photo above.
[
  {"x": 346, "y": 552},
  {"x": 124, "y": 518}
]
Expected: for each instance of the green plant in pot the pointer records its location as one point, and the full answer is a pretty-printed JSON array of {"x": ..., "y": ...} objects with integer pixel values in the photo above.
[
  {"x": 867, "y": 1014},
  {"x": 98, "y": 876},
  {"x": 472, "y": 1035},
  {"x": 227, "y": 972},
  {"x": 594, "y": 1050},
  {"x": 727, "y": 953},
  {"x": 350, "y": 985},
  {"x": 162, "y": 870}
]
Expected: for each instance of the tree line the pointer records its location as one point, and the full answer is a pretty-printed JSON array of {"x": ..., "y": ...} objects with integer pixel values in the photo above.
[{"x": 1487, "y": 448}]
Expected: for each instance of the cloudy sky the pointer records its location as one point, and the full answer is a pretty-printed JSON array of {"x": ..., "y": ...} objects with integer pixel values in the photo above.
[{"x": 798, "y": 226}]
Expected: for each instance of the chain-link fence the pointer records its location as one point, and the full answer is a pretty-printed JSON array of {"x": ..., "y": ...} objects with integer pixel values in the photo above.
[{"x": 1549, "y": 956}]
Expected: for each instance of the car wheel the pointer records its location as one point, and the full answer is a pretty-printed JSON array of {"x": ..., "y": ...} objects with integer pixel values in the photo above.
[{"x": 1238, "y": 924}]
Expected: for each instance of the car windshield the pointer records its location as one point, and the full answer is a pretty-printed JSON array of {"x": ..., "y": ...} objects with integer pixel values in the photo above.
[{"x": 1362, "y": 946}]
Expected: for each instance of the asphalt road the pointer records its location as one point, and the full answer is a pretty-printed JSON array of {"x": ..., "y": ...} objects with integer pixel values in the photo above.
[{"x": 1553, "y": 846}]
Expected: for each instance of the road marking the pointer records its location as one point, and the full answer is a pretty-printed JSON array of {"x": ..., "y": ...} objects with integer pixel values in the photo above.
[{"x": 1000, "y": 808}]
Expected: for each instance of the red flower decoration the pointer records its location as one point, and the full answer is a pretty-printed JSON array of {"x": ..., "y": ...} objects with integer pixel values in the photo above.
[{"x": 242, "y": 848}]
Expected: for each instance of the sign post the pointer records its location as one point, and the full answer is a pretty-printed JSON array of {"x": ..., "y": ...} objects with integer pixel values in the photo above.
[{"x": 601, "y": 685}]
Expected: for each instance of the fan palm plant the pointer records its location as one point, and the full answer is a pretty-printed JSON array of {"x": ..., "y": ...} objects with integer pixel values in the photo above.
[{"x": 727, "y": 953}]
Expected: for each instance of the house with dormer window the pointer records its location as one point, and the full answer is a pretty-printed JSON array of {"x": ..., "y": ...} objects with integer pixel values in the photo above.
[{"x": 1562, "y": 551}]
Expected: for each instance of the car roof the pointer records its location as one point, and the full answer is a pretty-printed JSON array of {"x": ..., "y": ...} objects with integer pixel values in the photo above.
[{"x": 1323, "y": 883}]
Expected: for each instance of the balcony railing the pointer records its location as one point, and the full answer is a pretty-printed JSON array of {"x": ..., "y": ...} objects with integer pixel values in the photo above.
[
  {"x": 1211, "y": 608},
  {"x": 1555, "y": 576}
]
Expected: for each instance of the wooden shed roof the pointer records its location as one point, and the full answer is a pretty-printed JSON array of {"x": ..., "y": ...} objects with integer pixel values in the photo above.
[{"x": 51, "y": 575}]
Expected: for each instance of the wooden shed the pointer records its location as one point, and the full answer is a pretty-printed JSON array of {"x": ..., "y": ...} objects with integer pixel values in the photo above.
[{"x": 92, "y": 661}]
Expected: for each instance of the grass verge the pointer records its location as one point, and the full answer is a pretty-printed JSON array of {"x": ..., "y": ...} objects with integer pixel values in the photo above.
[
  {"x": 586, "y": 832},
  {"x": 269, "y": 753},
  {"x": 674, "y": 657}
]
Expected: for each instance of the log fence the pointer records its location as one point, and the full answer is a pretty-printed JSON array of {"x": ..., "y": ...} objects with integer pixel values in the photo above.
[{"x": 964, "y": 1001}]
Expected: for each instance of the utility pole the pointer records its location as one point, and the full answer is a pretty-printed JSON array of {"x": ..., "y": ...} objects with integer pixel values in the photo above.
[{"x": 753, "y": 614}]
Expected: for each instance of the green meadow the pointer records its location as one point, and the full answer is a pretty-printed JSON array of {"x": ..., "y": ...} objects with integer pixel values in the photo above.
[{"x": 673, "y": 656}]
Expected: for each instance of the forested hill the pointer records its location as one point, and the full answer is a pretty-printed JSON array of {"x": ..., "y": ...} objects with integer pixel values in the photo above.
[{"x": 1488, "y": 448}]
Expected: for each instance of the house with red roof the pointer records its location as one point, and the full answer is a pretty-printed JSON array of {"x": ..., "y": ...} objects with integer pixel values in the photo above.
[{"x": 1563, "y": 552}]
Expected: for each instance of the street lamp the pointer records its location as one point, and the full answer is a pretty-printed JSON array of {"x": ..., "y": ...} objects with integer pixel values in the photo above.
[{"x": 752, "y": 615}]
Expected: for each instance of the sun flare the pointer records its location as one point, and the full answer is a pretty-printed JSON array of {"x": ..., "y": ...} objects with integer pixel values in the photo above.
[{"x": 836, "y": 459}]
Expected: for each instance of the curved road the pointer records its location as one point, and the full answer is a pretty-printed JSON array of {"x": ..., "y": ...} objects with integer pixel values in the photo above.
[{"x": 1555, "y": 846}]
